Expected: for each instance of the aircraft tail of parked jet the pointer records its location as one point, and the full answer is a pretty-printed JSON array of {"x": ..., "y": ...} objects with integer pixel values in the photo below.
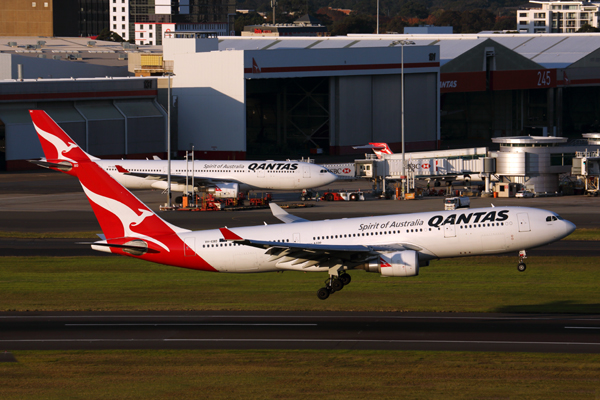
[{"x": 378, "y": 148}]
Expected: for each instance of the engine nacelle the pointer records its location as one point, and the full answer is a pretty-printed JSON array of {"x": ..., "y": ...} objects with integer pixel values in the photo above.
[
  {"x": 401, "y": 263},
  {"x": 224, "y": 190}
]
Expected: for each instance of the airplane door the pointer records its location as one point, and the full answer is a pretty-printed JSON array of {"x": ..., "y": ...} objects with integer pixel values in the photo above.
[
  {"x": 261, "y": 173},
  {"x": 306, "y": 171},
  {"x": 296, "y": 238},
  {"x": 523, "y": 219},
  {"x": 449, "y": 230}
]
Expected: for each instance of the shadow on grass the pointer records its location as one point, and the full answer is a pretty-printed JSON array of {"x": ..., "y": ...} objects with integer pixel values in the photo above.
[{"x": 555, "y": 307}]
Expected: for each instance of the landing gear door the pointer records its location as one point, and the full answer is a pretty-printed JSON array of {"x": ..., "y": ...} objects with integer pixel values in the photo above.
[
  {"x": 523, "y": 219},
  {"x": 449, "y": 230}
]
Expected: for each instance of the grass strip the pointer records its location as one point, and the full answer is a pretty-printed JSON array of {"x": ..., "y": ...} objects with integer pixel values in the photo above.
[
  {"x": 584, "y": 234},
  {"x": 298, "y": 374},
  {"x": 473, "y": 284}
]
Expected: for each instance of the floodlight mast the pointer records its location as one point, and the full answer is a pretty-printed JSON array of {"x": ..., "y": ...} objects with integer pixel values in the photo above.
[{"x": 403, "y": 173}]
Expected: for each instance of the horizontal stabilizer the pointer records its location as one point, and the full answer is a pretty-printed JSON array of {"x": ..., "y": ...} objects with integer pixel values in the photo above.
[{"x": 284, "y": 216}]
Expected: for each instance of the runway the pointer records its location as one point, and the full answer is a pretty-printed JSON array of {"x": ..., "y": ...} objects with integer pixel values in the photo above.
[{"x": 278, "y": 330}]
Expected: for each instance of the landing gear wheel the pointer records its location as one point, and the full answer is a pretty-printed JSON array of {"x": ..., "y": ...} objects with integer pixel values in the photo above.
[
  {"x": 345, "y": 278},
  {"x": 337, "y": 285},
  {"x": 522, "y": 267},
  {"x": 323, "y": 293}
]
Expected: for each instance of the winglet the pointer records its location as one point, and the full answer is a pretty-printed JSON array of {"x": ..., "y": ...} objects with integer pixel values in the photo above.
[
  {"x": 228, "y": 235},
  {"x": 121, "y": 169}
]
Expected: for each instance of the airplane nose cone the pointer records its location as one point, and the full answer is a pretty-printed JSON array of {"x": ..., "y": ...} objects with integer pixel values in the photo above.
[
  {"x": 331, "y": 177},
  {"x": 569, "y": 228}
]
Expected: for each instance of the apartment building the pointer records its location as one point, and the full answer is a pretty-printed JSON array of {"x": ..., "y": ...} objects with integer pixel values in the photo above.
[{"x": 558, "y": 16}]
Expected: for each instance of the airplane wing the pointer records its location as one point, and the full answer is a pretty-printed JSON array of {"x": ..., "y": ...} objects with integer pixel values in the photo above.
[
  {"x": 283, "y": 216},
  {"x": 174, "y": 177},
  {"x": 309, "y": 254}
]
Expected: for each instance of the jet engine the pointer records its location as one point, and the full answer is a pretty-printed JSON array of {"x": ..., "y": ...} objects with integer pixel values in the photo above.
[{"x": 401, "y": 263}]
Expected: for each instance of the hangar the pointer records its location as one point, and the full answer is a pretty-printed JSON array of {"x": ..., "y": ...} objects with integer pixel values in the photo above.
[
  {"x": 269, "y": 96},
  {"x": 256, "y": 97}
]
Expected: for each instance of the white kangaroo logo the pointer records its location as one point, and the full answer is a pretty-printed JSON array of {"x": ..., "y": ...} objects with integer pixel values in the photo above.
[
  {"x": 126, "y": 215},
  {"x": 61, "y": 147}
]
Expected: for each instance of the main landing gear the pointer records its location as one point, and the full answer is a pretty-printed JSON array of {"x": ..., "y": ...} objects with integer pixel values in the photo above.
[
  {"x": 522, "y": 256},
  {"x": 333, "y": 284}
]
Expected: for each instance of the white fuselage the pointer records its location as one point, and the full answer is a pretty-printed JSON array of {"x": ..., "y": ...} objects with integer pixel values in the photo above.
[
  {"x": 434, "y": 235},
  {"x": 270, "y": 175}
]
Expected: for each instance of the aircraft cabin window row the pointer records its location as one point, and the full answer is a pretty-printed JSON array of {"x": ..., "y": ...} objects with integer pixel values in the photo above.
[{"x": 398, "y": 232}]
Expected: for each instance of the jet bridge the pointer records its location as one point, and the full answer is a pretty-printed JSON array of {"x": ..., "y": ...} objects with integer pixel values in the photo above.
[
  {"x": 441, "y": 165},
  {"x": 586, "y": 166}
]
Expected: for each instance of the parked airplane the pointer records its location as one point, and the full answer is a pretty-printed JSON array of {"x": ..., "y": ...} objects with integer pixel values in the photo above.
[
  {"x": 223, "y": 178},
  {"x": 392, "y": 245}
]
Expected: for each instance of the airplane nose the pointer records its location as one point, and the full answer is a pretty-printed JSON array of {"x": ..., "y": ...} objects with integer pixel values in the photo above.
[
  {"x": 331, "y": 177},
  {"x": 569, "y": 228}
]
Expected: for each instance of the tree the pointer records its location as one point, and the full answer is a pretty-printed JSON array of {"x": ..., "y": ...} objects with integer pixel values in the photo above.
[
  {"x": 109, "y": 36},
  {"x": 450, "y": 18},
  {"x": 354, "y": 24},
  {"x": 396, "y": 24},
  {"x": 412, "y": 9},
  {"x": 506, "y": 23},
  {"x": 477, "y": 21},
  {"x": 242, "y": 20},
  {"x": 588, "y": 28}
]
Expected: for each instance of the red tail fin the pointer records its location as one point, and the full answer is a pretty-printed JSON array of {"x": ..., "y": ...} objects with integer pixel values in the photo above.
[
  {"x": 381, "y": 148},
  {"x": 119, "y": 212},
  {"x": 57, "y": 145}
]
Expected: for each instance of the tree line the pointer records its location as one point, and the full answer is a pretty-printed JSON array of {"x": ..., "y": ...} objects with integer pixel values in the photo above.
[{"x": 465, "y": 16}]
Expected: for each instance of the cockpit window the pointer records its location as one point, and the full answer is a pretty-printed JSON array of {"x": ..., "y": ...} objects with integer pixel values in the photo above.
[
  {"x": 552, "y": 218},
  {"x": 323, "y": 171}
]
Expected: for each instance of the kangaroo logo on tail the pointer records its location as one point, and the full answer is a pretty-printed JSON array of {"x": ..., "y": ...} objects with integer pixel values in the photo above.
[{"x": 57, "y": 145}]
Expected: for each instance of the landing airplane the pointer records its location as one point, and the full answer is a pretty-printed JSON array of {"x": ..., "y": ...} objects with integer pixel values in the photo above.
[
  {"x": 392, "y": 245},
  {"x": 225, "y": 178}
]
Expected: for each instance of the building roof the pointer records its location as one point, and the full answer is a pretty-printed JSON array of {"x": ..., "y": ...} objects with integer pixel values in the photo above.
[
  {"x": 547, "y": 50},
  {"x": 101, "y": 53}
]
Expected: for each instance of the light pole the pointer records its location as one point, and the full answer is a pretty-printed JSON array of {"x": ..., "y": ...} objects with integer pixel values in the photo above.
[
  {"x": 170, "y": 74},
  {"x": 402, "y": 43}
]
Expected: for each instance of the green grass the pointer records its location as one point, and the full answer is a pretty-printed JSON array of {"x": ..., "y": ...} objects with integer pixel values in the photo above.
[
  {"x": 285, "y": 374},
  {"x": 584, "y": 234},
  {"x": 475, "y": 284}
]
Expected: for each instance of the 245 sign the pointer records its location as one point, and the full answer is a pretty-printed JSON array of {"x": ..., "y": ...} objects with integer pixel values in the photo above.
[{"x": 544, "y": 78}]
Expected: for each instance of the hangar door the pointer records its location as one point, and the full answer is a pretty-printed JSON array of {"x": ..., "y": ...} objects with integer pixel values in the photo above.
[
  {"x": 287, "y": 117},
  {"x": 368, "y": 108}
]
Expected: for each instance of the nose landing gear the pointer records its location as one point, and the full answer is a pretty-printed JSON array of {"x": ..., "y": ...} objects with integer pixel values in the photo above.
[
  {"x": 333, "y": 284},
  {"x": 522, "y": 256}
]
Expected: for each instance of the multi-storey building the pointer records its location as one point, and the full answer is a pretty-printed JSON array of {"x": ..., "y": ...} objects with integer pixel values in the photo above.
[
  {"x": 558, "y": 16},
  {"x": 146, "y": 21}
]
